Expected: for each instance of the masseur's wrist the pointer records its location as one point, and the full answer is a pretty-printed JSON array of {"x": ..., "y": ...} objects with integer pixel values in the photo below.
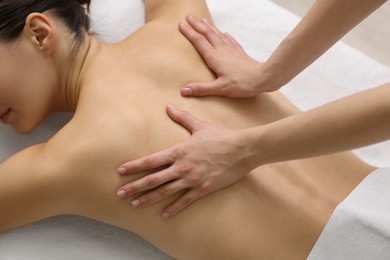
[
  {"x": 255, "y": 154},
  {"x": 272, "y": 77}
]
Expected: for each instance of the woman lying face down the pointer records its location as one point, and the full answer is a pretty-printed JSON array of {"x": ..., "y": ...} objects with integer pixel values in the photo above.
[{"x": 118, "y": 94}]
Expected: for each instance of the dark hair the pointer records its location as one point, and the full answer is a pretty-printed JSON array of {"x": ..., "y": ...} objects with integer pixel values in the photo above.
[{"x": 13, "y": 14}]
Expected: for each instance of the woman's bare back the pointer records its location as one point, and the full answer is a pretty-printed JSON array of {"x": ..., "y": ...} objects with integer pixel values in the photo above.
[
  {"x": 120, "y": 116},
  {"x": 277, "y": 208}
]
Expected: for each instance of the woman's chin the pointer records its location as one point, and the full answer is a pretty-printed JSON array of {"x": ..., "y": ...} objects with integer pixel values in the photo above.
[{"x": 24, "y": 129}]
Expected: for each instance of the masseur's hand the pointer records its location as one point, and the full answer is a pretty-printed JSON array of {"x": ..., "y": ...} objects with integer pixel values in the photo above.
[
  {"x": 238, "y": 74},
  {"x": 213, "y": 158}
]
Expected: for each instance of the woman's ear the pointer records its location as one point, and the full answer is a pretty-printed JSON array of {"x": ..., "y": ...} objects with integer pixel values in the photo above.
[{"x": 41, "y": 31}]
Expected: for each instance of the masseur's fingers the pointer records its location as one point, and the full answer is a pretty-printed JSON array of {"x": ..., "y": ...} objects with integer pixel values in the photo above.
[
  {"x": 164, "y": 157},
  {"x": 159, "y": 159},
  {"x": 148, "y": 182},
  {"x": 211, "y": 33},
  {"x": 205, "y": 45},
  {"x": 213, "y": 158},
  {"x": 199, "y": 41},
  {"x": 191, "y": 123},
  {"x": 237, "y": 73},
  {"x": 146, "y": 163},
  {"x": 202, "y": 89},
  {"x": 235, "y": 43},
  {"x": 183, "y": 202},
  {"x": 158, "y": 194}
]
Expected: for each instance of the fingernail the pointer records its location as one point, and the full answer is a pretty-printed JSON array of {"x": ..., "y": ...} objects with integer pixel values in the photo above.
[
  {"x": 122, "y": 170},
  {"x": 205, "y": 21},
  {"x": 165, "y": 215},
  {"x": 186, "y": 91},
  {"x": 121, "y": 193},
  {"x": 171, "y": 107},
  {"x": 136, "y": 203}
]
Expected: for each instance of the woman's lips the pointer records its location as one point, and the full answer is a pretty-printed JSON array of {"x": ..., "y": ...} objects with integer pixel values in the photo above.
[{"x": 4, "y": 115}]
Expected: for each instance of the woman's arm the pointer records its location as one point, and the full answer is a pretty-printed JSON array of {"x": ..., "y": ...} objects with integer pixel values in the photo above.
[
  {"x": 28, "y": 189},
  {"x": 215, "y": 157},
  {"x": 240, "y": 76}
]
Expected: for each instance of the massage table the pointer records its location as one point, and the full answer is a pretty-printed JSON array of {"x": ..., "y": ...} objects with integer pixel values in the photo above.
[{"x": 259, "y": 25}]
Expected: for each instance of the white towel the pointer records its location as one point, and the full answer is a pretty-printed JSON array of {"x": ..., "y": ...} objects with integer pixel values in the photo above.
[{"x": 359, "y": 228}]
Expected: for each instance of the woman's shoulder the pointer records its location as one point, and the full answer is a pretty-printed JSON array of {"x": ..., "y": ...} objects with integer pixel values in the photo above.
[
  {"x": 174, "y": 10},
  {"x": 162, "y": 19}
]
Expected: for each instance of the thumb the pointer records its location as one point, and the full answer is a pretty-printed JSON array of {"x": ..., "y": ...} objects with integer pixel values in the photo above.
[
  {"x": 185, "y": 119},
  {"x": 201, "y": 89}
]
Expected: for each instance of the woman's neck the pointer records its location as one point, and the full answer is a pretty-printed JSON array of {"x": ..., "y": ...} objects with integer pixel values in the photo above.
[{"x": 74, "y": 73}]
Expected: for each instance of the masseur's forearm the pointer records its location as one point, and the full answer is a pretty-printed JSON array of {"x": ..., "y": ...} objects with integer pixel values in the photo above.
[
  {"x": 348, "y": 123},
  {"x": 324, "y": 24}
]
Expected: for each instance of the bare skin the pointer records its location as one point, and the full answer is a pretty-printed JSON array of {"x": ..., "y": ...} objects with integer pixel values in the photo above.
[
  {"x": 119, "y": 98},
  {"x": 313, "y": 36},
  {"x": 199, "y": 164}
]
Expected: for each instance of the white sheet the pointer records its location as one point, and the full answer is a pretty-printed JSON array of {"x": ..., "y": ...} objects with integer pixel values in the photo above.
[
  {"x": 259, "y": 25},
  {"x": 361, "y": 222}
]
